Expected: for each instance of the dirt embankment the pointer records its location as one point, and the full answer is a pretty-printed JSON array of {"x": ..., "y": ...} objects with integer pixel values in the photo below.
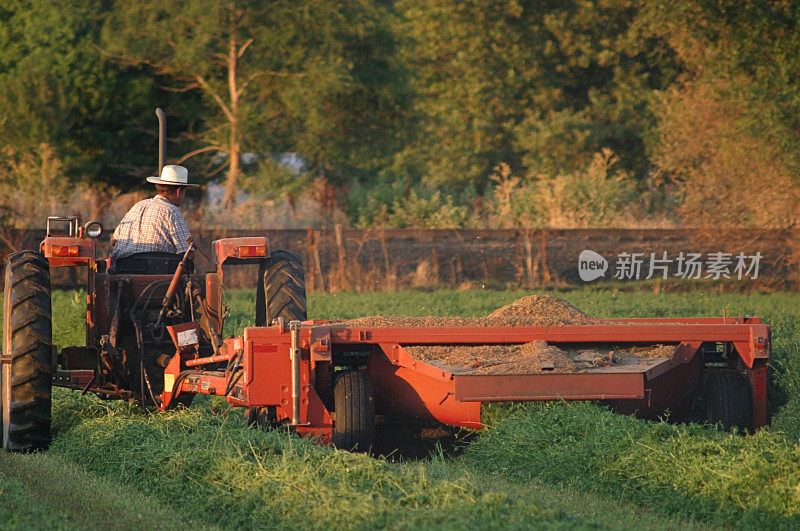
[{"x": 528, "y": 358}]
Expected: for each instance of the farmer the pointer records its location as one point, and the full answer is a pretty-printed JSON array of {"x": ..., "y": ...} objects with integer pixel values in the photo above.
[{"x": 152, "y": 236}]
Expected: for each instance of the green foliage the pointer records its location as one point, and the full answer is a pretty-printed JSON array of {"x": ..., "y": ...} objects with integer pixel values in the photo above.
[
  {"x": 58, "y": 88},
  {"x": 393, "y": 203},
  {"x": 368, "y": 203},
  {"x": 593, "y": 197},
  {"x": 283, "y": 76},
  {"x": 727, "y": 131},
  {"x": 30, "y": 186},
  {"x": 722, "y": 478},
  {"x": 432, "y": 212},
  {"x": 541, "y": 85},
  {"x": 596, "y": 195},
  {"x": 272, "y": 180},
  {"x": 409, "y": 106}
]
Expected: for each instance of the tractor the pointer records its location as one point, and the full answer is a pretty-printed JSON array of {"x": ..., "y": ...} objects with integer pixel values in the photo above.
[
  {"x": 135, "y": 318},
  {"x": 134, "y": 321}
]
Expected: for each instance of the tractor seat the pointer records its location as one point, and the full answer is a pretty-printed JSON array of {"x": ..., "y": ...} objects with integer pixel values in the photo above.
[{"x": 152, "y": 263}]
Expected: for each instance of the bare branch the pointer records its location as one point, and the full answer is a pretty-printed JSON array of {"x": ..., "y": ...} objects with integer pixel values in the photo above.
[
  {"x": 244, "y": 47},
  {"x": 243, "y": 85},
  {"x": 275, "y": 115},
  {"x": 204, "y": 84},
  {"x": 187, "y": 88},
  {"x": 197, "y": 152},
  {"x": 213, "y": 173}
]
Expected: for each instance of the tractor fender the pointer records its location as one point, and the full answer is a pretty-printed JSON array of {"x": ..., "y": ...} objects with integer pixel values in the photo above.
[{"x": 245, "y": 250}]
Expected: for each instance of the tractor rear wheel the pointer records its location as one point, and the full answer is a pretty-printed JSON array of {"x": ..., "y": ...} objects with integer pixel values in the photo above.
[
  {"x": 354, "y": 428},
  {"x": 281, "y": 289},
  {"x": 281, "y": 292},
  {"x": 728, "y": 399},
  {"x": 26, "y": 386}
]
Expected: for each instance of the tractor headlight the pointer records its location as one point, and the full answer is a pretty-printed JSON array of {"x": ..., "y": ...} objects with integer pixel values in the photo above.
[{"x": 93, "y": 229}]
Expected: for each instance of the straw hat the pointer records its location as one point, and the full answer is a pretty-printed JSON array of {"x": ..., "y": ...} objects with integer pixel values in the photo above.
[{"x": 174, "y": 175}]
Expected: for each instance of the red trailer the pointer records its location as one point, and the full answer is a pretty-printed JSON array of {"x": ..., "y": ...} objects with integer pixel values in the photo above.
[{"x": 286, "y": 374}]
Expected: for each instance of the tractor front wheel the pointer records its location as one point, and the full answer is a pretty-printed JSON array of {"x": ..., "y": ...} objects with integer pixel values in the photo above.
[
  {"x": 354, "y": 427},
  {"x": 26, "y": 385},
  {"x": 727, "y": 399}
]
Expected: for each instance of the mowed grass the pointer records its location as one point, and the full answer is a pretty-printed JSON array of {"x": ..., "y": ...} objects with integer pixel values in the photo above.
[{"x": 554, "y": 465}]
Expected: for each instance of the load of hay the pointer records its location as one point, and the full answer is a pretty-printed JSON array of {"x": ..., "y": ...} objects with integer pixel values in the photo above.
[{"x": 528, "y": 358}]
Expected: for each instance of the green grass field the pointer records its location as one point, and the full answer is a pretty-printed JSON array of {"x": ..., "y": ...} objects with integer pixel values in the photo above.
[{"x": 538, "y": 465}]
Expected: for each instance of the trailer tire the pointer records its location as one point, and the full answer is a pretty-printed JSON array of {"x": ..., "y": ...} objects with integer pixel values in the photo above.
[
  {"x": 354, "y": 427},
  {"x": 281, "y": 290},
  {"x": 26, "y": 383},
  {"x": 728, "y": 399}
]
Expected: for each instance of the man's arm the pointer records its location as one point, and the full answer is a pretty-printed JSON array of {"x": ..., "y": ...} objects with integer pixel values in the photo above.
[{"x": 180, "y": 232}]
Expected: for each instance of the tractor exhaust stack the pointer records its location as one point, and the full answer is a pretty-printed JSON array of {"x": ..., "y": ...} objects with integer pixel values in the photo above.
[{"x": 162, "y": 139}]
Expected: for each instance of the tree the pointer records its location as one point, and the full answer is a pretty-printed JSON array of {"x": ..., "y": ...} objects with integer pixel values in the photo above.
[
  {"x": 466, "y": 63},
  {"x": 56, "y": 88},
  {"x": 727, "y": 132},
  {"x": 275, "y": 76},
  {"x": 537, "y": 84}
]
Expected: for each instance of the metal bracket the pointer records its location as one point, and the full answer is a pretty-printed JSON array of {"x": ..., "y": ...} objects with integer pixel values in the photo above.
[
  {"x": 294, "y": 355},
  {"x": 72, "y": 224},
  {"x": 279, "y": 323}
]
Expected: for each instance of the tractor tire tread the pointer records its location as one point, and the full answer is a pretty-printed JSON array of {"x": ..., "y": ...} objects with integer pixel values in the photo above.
[
  {"x": 281, "y": 292},
  {"x": 282, "y": 289},
  {"x": 28, "y": 322}
]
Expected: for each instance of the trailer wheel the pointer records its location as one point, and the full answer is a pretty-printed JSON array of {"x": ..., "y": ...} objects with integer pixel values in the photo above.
[
  {"x": 354, "y": 428},
  {"x": 26, "y": 385},
  {"x": 728, "y": 399},
  {"x": 281, "y": 290}
]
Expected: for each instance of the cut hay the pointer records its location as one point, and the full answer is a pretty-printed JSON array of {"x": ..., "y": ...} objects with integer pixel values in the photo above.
[
  {"x": 531, "y": 358},
  {"x": 528, "y": 358}
]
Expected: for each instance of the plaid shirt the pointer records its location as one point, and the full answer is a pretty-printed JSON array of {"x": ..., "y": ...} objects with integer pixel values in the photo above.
[{"x": 151, "y": 225}]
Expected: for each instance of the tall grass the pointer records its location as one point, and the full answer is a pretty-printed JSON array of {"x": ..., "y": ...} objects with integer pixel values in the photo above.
[
  {"x": 688, "y": 470},
  {"x": 55, "y": 493},
  {"x": 215, "y": 468},
  {"x": 208, "y": 463}
]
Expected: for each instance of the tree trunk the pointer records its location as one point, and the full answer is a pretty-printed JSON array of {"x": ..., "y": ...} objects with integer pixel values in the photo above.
[
  {"x": 231, "y": 180},
  {"x": 235, "y": 141}
]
